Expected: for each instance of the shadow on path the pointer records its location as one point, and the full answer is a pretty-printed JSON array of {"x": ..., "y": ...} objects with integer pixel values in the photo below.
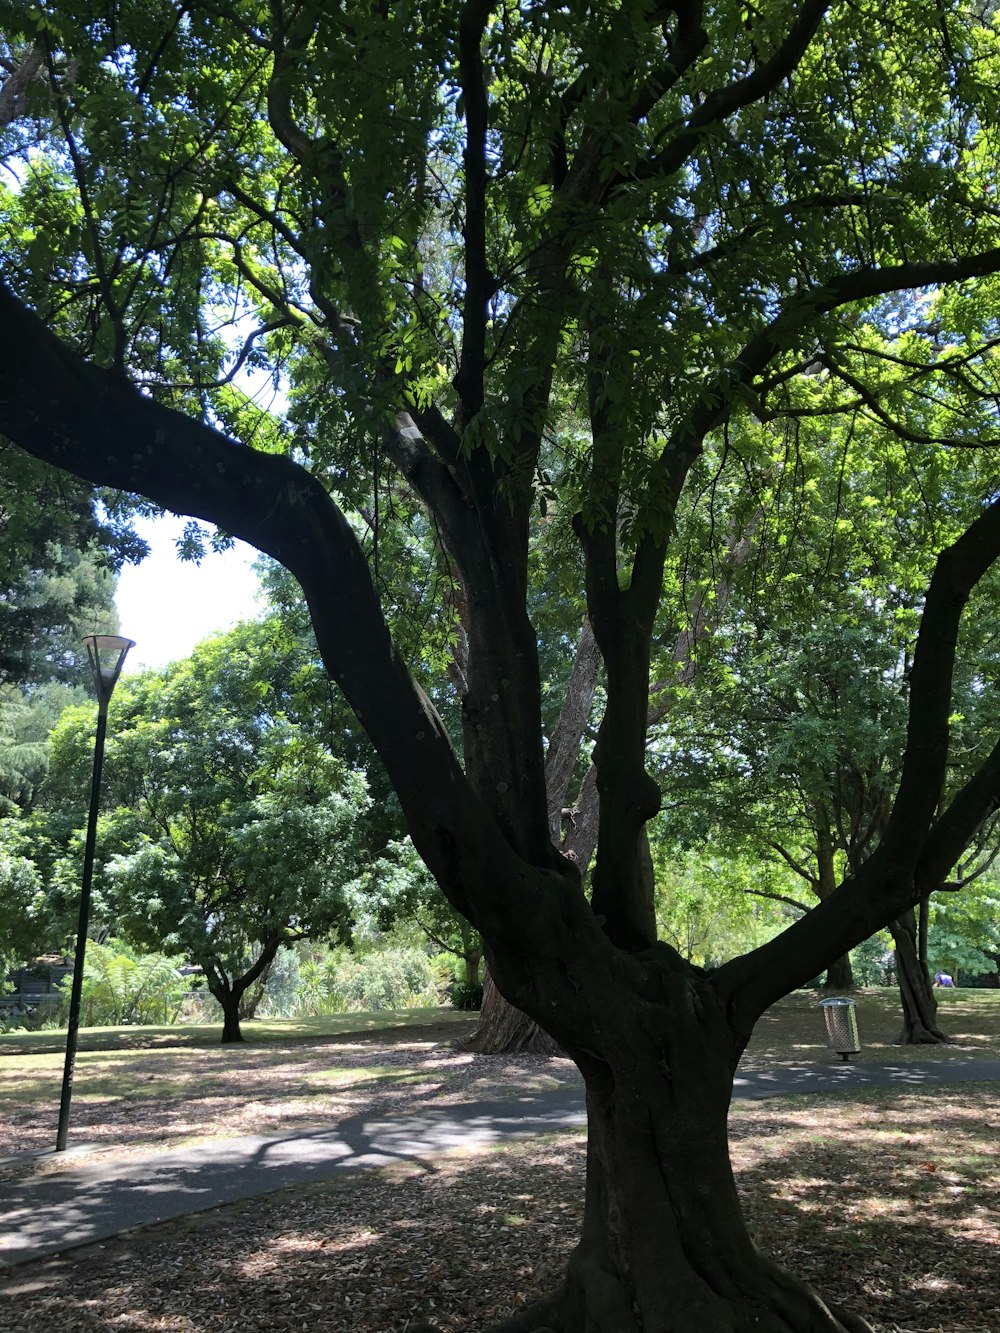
[{"x": 81, "y": 1203}]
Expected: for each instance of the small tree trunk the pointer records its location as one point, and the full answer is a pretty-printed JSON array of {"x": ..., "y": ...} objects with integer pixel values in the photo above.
[
  {"x": 664, "y": 1247},
  {"x": 504, "y": 1030},
  {"x": 230, "y": 1017},
  {"x": 840, "y": 974},
  {"x": 915, "y": 989},
  {"x": 471, "y": 959}
]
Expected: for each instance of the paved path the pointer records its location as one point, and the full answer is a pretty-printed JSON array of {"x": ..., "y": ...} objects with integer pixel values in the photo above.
[{"x": 86, "y": 1202}]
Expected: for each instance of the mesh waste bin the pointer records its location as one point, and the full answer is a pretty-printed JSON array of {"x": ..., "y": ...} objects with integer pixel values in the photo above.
[{"x": 840, "y": 1014}]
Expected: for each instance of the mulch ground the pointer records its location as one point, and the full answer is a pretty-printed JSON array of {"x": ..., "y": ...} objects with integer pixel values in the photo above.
[{"x": 888, "y": 1202}]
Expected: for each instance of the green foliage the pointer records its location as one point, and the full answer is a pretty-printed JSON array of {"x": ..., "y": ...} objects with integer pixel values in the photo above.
[
  {"x": 26, "y": 719},
  {"x": 387, "y": 979},
  {"x": 24, "y": 922},
  {"x": 228, "y": 827},
  {"x": 462, "y": 995},
  {"x": 333, "y": 981},
  {"x": 317, "y": 992},
  {"x": 873, "y": 960},
  {"x": 789, "y": 744},
  {"x": 121, "y": 985},
  {"x": 709, "y": 905},
  {"x": 47, "y": 610},
  {"x": 964, "y": 934}
]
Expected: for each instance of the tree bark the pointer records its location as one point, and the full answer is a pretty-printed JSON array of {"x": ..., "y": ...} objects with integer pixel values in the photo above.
[
  {"x": 231, "y": 1030},
  {"x": 840, "y": 974},
  {"x": 916, "y": 991},
  {"x": 664, "y": 1247},
  {"x": 471, "y": 961},
  {"x": 504, "y": 1029},
  {"x": 230, "y": 993}
]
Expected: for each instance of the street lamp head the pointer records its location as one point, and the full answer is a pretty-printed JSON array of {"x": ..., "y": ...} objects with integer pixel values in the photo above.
[{"x": 107, "y": 654}]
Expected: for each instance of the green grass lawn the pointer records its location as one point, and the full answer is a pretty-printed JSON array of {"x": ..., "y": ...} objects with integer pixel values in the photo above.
[
  {"x": 255, "y": 1031},
  {"x": 793, "y": 1029},
  {"x": 188, "y": 1065},
  {"x": 144, "y": 1082}
]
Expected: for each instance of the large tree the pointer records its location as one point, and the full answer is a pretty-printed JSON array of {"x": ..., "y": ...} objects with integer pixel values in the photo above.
[{"x": 435, "y": 227}]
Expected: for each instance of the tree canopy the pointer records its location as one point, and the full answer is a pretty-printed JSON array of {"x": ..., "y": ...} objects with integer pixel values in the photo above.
[{"x": 535, "y": 265}]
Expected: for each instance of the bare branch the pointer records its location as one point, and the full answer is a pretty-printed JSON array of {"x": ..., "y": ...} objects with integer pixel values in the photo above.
[{"x": 780, "y": 898}]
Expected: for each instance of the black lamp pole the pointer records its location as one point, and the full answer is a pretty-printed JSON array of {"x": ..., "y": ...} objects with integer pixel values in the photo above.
[{"x": 112, "y": 648}]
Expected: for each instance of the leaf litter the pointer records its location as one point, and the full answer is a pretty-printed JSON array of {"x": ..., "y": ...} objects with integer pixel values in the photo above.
[{"x": 838, "y": 1190}]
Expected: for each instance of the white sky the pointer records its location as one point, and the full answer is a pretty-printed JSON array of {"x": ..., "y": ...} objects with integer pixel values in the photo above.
[{"x": 168, "y": 605}]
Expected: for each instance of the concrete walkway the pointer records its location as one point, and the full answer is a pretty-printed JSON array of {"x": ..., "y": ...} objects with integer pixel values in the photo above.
[{"x": 89, "y": 1201}]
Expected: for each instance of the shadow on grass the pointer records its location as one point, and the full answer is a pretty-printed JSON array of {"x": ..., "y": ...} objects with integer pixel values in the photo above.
[
  {"x": 392, "y": 1026},
  {"x": 234, "y": 1094}
]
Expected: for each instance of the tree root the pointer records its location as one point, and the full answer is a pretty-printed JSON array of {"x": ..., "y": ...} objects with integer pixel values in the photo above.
[
  {"x": 533, "y": 1319},
  {"x": 565, "y": 1312},
  {"x": 853, "y": 1323}
]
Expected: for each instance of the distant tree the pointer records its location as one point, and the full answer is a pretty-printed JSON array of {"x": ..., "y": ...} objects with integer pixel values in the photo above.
[
  {"x": 24, "y": 927},
  {"x": 228, "y": 829}
]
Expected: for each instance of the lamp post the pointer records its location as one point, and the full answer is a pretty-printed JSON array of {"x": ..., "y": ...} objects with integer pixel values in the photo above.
[{"x": 107, "y": 654}]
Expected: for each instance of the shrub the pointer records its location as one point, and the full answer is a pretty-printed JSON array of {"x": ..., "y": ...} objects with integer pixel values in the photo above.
[
  {"x": 392, "y": 979},
  {"x": 462, "y": 995},
  {"x": 121, "y": 986}
]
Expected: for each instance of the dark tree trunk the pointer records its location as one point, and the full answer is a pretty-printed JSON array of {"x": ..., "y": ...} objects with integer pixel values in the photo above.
[
  {"x": 505, "y": 1030},
  {"x": 230, "y": 993},
  {"x": 840, "y": 974},
  {"x": 502, "y": 1029},
  {"x": 664, "y": 1247},
  {"x": 916, "y": 992},
  {"x": 231, "y": 1030}
]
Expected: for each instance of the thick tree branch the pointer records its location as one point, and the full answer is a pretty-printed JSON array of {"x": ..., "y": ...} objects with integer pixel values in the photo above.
[
  {"x": 430, "y": 478},
  {"x": 689, "y": 40}
]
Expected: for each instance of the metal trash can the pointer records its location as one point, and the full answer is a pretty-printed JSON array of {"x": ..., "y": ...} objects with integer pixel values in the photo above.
[{"x": 840, "y": 1014}]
